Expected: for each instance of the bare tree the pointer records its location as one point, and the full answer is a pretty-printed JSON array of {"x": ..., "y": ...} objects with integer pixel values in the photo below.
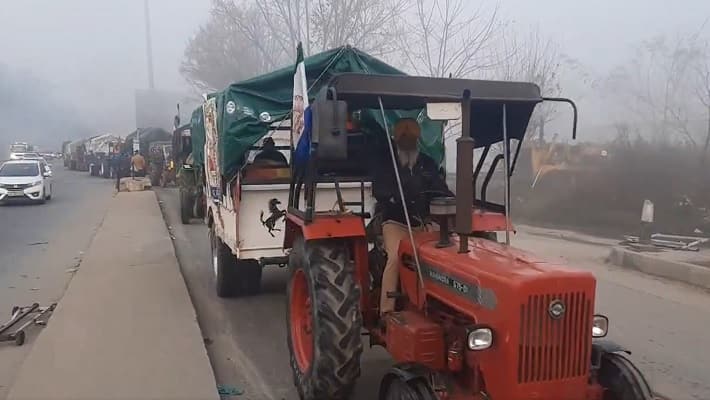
[
  {"x": 367, "y": 24},
  {"x": 447, "y": 38},
  {"x": 655, "y": 88},
  {"x": 536, "y": 58},
  {"x": 246, "y": 37},
  {"x": 326, "y": 24},
  {"x": 702, "y": 89},
  {"x": 223, "y": 51}
]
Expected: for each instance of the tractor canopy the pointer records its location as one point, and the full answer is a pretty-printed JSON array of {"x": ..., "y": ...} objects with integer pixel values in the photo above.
[
  {"x": 362, "y": 91},
  {"x": 182, "y": 141},
  {"x": 248, "y": 110},
  {"x": 147, "y": 136},
  {"x": 101, "y": 143}
]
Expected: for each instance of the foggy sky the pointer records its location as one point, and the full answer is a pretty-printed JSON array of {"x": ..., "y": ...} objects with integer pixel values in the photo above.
[{"x": 92, "y": 52}]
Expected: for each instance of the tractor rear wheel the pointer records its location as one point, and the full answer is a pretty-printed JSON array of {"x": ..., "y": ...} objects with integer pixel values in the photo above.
[
  {"x": 185, "y": 206},
  {"x": 622, "y": 380},
  {"x": 324, "y": 320}
]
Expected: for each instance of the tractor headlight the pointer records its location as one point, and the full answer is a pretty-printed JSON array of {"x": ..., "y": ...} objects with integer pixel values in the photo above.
[
  {"x": 600, "y": 326},
  {"x": 480, "y": 338}
]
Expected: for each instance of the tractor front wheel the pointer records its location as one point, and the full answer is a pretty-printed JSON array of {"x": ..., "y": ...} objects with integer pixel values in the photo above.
[
  {"x": 399, "y": 389},
  {"x": 186, "y": 206},
  {"x": 621, "y": 379},
  {"x": 324, "y": 320}
]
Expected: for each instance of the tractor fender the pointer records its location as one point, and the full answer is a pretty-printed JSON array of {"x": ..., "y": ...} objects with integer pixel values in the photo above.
[
  {"x": 343, "y": 226},
  {"x": 600, "y": 347},
  {"x": 403, "y": 372},
  {"x": 608, "y": 346}
]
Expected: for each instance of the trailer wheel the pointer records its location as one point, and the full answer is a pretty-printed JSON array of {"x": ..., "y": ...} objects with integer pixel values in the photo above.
[
  {"x": 186, "y": 206},
  {"x": 199, "y": 206},
  {"x": 248, "y": 277},
  {"x": 622, "y": 380},
  {"x": 324, "y": 320},
  {"x": 224, "y": 266}
]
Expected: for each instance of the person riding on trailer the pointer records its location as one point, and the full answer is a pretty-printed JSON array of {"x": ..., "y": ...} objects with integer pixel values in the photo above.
[{"x": 269, "y": 155}]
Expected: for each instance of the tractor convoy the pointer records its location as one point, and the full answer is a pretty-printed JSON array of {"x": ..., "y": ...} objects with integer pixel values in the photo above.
[
  {"x": 474, "y": 317},
  {"x": 100, "y": 155}
]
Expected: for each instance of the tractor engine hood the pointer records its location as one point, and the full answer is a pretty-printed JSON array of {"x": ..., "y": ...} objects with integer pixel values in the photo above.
[
  {"x": 490, "y": 276},
  {"x": 519, "y": 296}
]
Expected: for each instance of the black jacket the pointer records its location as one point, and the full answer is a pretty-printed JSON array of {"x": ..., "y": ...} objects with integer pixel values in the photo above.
[{"x": 420, "y": 185}]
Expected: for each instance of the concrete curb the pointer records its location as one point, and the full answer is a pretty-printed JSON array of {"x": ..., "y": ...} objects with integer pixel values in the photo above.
[
  {"x": 126, "y": 327},
  {"x": 678, "y": 271}
]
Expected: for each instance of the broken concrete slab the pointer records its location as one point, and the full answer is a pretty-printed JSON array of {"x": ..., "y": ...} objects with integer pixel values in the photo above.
[{"x": 130, "y": 184}]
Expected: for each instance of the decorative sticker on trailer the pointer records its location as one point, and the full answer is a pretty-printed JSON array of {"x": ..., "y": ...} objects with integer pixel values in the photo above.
[
  {"x": 484, "y": 297},
  {"x": 211, "y": 138},
  {"x": 275, "y": 216}
]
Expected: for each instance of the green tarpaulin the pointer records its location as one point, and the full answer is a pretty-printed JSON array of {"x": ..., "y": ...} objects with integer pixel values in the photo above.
[
  {"x": 247, "y": 109},
  {"x": 197, "y": 133}
]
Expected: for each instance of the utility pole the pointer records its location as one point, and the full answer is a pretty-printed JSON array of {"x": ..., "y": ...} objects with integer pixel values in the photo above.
[{"x": 149, "y": 46}]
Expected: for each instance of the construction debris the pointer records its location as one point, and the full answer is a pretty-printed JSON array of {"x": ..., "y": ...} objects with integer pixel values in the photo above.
[
  {"x": 662, "y": 240},
  {"x": 27, "y": 316}
]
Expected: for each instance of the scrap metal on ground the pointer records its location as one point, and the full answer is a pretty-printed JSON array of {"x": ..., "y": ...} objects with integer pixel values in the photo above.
[
  {"x": 24, "y": 317},
  {"x": 662, "y": 240}
]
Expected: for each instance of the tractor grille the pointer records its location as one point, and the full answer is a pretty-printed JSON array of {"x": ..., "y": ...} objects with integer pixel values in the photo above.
[{"x": 552, "y": 349}]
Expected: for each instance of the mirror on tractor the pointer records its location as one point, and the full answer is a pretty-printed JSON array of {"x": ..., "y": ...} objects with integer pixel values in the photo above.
[
  {"x": 443, "y": 111},
  {"x": 329, "y": 129}
]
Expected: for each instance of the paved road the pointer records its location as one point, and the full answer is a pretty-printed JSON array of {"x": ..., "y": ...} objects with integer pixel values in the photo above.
[
  {"x": 663, "y": 322},
  {"x": 40, "y": 244}
]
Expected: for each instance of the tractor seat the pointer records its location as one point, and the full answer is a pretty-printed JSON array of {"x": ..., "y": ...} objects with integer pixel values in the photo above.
[{"x": 357, "y": 162}]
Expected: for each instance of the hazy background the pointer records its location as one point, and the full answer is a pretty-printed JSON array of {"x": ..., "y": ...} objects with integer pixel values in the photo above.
[{"x": 70, "y": 67}]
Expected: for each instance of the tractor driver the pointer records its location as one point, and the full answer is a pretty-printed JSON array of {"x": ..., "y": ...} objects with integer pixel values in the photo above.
[{"x": 421, "y": 181}]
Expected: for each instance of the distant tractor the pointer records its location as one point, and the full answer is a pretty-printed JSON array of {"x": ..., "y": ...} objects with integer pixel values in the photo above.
[
  {"x": 188, "y": 176},
  {"x": 475, "y": 317}
]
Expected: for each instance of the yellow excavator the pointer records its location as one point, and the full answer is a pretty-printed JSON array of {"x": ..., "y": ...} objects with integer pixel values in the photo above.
[{"x": 554, "y": 156}]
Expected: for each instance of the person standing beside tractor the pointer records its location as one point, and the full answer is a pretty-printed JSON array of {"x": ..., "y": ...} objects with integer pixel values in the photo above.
[
  {"x": 420, "y": 181},
  {"x": 138, "y": 164}
]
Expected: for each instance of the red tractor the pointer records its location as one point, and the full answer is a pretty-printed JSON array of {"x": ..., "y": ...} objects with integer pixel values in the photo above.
[{"x": 475, "y": 318}]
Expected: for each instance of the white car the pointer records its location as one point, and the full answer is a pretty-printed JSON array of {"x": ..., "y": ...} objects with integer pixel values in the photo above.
[
  {"x": 25, "y": 156},
  {"x": 25, "y": 180}
]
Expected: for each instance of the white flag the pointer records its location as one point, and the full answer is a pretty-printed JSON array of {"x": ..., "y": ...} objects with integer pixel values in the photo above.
[{"x": 300, "y": 97}]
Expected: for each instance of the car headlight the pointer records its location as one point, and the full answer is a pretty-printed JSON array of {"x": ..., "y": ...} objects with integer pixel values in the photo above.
[
  {"x": 36, "y": 183},
  {"x": 480, "y": 338},
  {"x": 600, "y": 326}
]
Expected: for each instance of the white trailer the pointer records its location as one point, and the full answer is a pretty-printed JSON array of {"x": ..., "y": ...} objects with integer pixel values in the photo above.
[{"x": 246, "y": 215}]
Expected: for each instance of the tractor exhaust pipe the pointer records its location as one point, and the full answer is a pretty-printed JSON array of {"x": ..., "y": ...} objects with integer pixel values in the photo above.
[{"x": 464, "y": 175}]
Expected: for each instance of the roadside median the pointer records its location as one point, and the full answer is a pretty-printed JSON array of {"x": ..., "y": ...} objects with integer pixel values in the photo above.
[
  {"x": 125, "y": 328},
  {"x": 664, "y": 264}
]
